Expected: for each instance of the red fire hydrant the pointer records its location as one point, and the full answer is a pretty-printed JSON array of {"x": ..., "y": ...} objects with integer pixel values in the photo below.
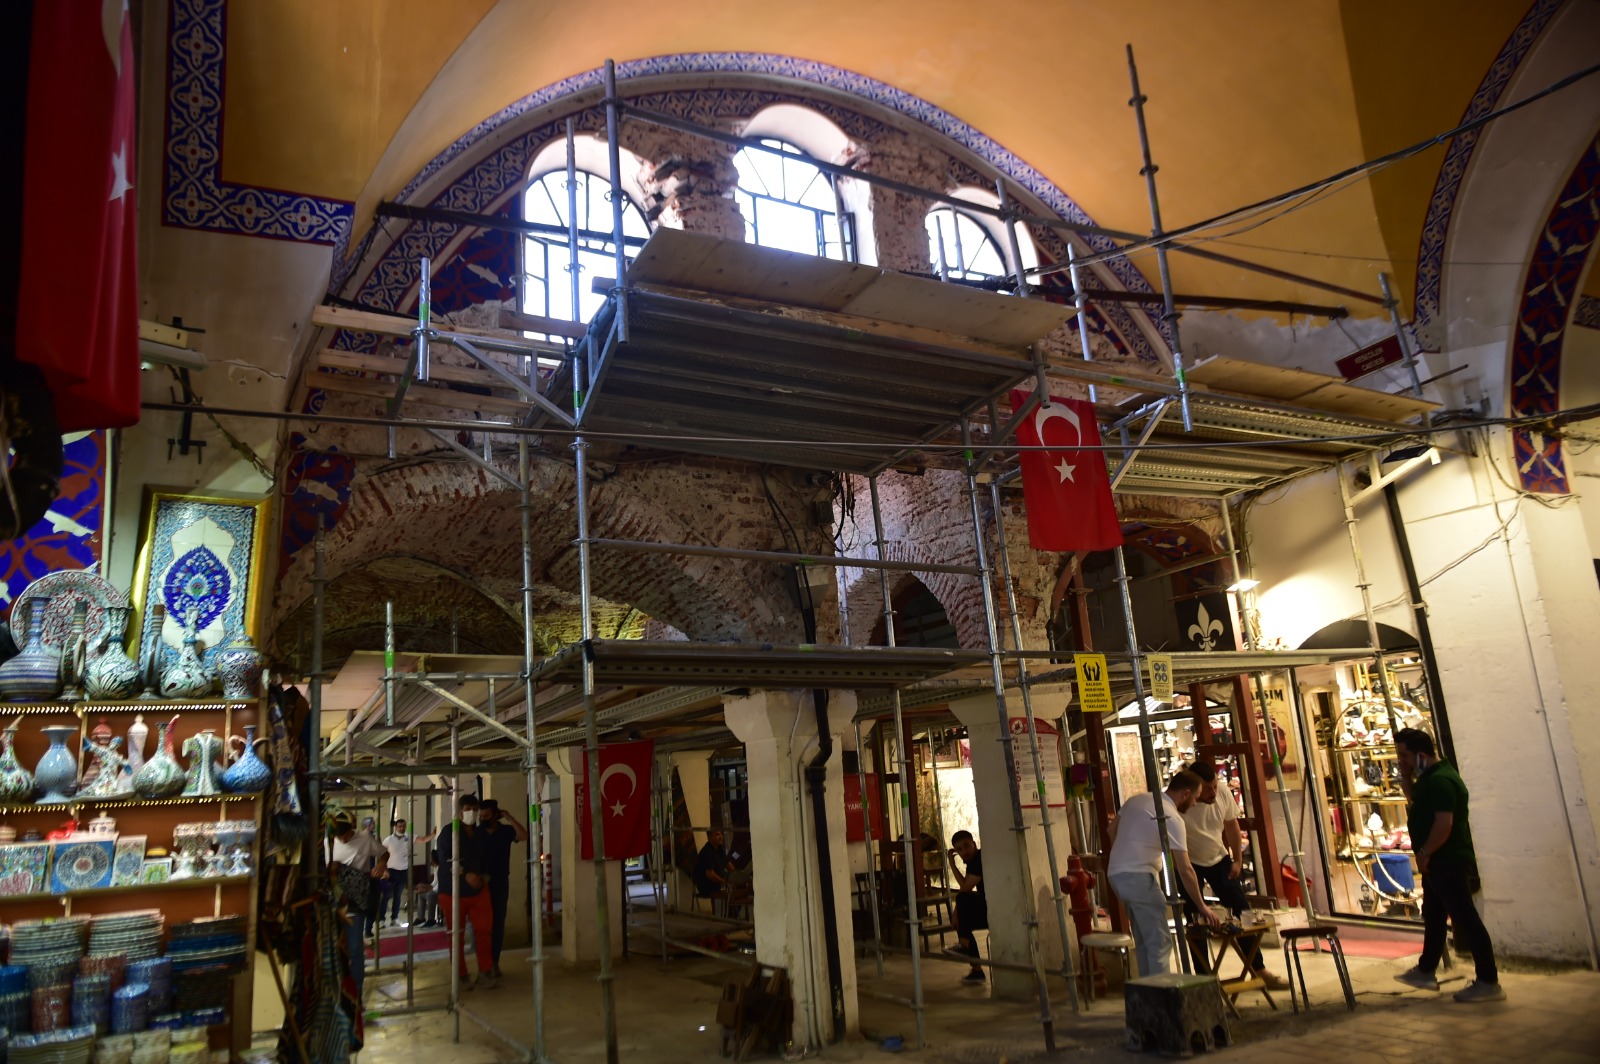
[{"x": 1077, "y": 883}]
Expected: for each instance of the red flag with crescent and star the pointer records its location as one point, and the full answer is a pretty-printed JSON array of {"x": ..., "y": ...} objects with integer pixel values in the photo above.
[
  {"x": 77, "y": 297},
  {"x": 1067, "y": 490},
  {"x": 625, "y": 780}
]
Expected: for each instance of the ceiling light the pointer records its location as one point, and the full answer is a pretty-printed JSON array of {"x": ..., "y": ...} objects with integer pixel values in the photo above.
[{"x": 1244, "y": 583}]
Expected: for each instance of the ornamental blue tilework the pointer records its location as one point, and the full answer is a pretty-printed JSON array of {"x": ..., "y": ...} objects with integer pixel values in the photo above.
[
  {"x": 1436, "y": 227},
  {"x": 201, "y": 558},
  {"x": 68, "y": 536},
  {"x": 1548, "y": 294},
  {"x": 194, "y": 196},
  {"x": 490, "y": 182}
]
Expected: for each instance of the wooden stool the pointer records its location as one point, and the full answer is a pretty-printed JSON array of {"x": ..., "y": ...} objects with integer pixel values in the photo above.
[
  {"x": 1329, "y": 934},
  {"x": 1175, "y": 1014},
  {"x": 1111, "y": 942}
]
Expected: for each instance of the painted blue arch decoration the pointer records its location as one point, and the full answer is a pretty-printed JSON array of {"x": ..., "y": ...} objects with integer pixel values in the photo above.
[{"x": 485, "y": 170}]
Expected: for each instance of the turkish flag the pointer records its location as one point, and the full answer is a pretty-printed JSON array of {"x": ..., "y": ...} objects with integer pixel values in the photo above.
[
  {"x": 625, "y": 780},
  {"x": 77, "y": 297},
  {"x": 1067, "y": 490}
]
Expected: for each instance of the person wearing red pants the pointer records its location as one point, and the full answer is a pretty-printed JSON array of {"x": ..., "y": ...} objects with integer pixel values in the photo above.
[{"x": 463, "y": 840}]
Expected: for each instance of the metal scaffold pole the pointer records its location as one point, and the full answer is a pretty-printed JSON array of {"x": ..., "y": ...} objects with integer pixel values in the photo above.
[
  {"x": 531, "y": 755},
  {"x": 319, "y": 591},
  {"x": 908, "y": 830},
  {"x": 1067, "y": 951},
  {"x": 1365, "y": 587},
  {"x": 1152, "y": 775},
  {"x": 457, "y": 938},
  {"x": 997, "y": 676},
  {"x": 1169, "y": 314}
]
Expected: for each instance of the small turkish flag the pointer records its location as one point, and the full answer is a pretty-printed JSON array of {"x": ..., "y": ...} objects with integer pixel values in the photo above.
[
  {"x": 1067, "y": 491},
  {"x": 78, "y": 310},
  {"x": 625, "y": 780}
]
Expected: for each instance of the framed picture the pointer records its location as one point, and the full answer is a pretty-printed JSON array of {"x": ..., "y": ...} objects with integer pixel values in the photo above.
[
  {"x": 82, "y": 862},
  {"x": 200, "y": 555},
  {"x": 22, "y": 868},
  {"x": 155, "y": 870},
  {"x": 129, "y": 860}
]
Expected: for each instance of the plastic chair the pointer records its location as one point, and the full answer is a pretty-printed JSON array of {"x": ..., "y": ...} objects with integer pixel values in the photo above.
[{"x": 1328, "y": 933}]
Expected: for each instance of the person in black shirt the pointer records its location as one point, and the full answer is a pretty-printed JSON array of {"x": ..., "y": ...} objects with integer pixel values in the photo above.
[
  {"x": 972, "y": 905},
  {"x": 713, "y": 871},
  {"x": 499, "y": 833},
  {"x": 464, "y": 840}
]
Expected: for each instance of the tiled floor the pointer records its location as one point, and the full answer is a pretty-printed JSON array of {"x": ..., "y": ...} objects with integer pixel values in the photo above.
[{"x": 665, "y": 1012}]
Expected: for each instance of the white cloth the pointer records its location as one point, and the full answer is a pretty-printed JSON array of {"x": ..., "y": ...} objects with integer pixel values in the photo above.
[
  {"x": 1138, "y": 845},
  {"x": 401, "y": 849},
  {"x": 357, "y": 853},
  {"x": 1205, "y": 823}
]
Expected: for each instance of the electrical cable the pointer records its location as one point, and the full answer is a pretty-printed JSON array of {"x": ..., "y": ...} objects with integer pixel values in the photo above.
[{"x": 1359, "y": 169}]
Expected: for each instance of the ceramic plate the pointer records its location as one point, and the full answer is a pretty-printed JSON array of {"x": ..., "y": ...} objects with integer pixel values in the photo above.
[
  {"x": 81, "y": 865},
  {"x": 65, "y": 589}
]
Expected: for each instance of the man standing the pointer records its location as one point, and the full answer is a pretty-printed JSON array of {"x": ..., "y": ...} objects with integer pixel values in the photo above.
[
  {"x": 499, "y": 833},
  {"x": 713, "y": 870},
  {"x": 355, "y": 860},
  {"x": 972, "y": 904},
  {"x": 1216, "y": 848},
  {"x": 1437, "y": 819},
  {"x": 401, "y": 859},
  {"x": 464, "y": 842},
  {"x": 1134, "y": 869}
]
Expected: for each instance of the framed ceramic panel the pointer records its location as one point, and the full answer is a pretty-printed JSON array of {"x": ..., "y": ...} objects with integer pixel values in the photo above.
[
  {"x": 155, "y": 870},
  {"x": 129, "y": 860},
  {"x": 22, "y": 868},
  {"x": 81, "y": 863},
  {"x": 204, "y": 554}
]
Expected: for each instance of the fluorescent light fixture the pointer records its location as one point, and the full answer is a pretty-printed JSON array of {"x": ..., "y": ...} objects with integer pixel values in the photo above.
[
  {"x": 168, "y": 355},
  {"x": 1244, "y": 583}
]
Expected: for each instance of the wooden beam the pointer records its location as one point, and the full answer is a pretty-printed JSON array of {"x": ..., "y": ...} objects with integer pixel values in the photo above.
[
  {"x": 398, "y": 325},
  {"x": 393, "y": 367},
  {"x": 419, "y": 395},
  {"x": 521, "y": 322}
]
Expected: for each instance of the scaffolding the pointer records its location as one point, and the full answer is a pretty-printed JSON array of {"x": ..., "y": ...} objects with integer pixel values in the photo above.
[{"x": 839, "y": 380}]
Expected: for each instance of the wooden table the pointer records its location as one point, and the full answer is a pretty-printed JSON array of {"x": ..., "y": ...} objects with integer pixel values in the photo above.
[{"x": 1234, "y": 938}]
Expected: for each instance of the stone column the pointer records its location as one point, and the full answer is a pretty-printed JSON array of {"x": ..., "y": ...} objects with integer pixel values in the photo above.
[
  {"x": 694, "y": 776},
  {"x": 778, "y": 729},
  {"x": 688, "y": 181},
  {"x": 1015, "y": 878},
  {"x": 898, "y": 234},
  {"x": 580, "y": 935}
]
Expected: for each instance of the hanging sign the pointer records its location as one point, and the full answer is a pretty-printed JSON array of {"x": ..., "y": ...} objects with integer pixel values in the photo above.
[
  {"x": 1371, "y": 359},
  {"x": 1094, "y": 683},
  {"x": 858, "y": 815},
  {"x": 1049, "y": 784},
  {"x": 1160, "y": 677}
]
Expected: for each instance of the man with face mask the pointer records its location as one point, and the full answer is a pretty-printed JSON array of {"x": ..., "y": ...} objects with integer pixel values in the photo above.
[
  {"x": 500, "y": 832},
  {"x": 402, "y": 857},
  {"x": 1134, "y": 869},
  {"x": 1437, "y": 819},
  {"x": 463, "y": 841}
]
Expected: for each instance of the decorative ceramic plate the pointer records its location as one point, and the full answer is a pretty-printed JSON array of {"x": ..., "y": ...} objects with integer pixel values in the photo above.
[
  {"x": 22, "y": 866},
  {"x": 81, "y": 865},
  {"x": 65, "y": 589}
]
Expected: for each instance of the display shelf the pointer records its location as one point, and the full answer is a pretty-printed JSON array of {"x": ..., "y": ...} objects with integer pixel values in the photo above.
[
  {"x": 190, "y": 883},
  {"x": 134, "y": 706},
  {"x": 1385, "y": 800},
  {"x": 1376, "y": 850},
  {"x": 124, "y": 802}
]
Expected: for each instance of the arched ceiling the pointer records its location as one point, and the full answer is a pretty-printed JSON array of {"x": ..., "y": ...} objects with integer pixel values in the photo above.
[{"x": 348, "y": 101}]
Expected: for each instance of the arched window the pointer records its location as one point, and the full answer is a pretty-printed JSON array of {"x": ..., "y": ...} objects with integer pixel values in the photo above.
[
  {"x": 962, "y": 248},
  {"x": 788, "y": 203},
  {"x": 548, "y": 287}
]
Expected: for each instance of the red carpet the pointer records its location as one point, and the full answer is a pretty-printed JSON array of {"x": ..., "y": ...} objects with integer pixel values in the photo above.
[
  {"x": 393, "y": 944},
  {"x": 1380, "y": 945}
]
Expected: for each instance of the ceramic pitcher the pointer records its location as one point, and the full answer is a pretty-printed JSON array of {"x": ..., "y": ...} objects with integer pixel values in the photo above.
[
  {"x": 112, "y": 676},
  {"x": 248, "y": 774},
  {"x": 186, "y": 676},
  {"x": 161, "y": 776},
  {"x": 203, "y": 750}
]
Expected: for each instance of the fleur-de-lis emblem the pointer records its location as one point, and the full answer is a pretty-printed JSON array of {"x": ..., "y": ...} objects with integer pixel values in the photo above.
[{"x": 1206, "y": 630}]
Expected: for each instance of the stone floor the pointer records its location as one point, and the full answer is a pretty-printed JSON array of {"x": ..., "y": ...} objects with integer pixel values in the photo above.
[{"x": 666, "y": 1012}]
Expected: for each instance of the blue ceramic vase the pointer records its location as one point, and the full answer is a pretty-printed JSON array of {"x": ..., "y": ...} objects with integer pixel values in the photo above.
[
  {"x": 249, "y": 774},
  {"x": 35, "y": 674},
  {"x": 57, "y": 770},
  {"x": 238, "y": 666}
]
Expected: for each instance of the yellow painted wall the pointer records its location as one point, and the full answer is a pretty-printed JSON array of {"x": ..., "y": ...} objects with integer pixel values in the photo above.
[{"x": 1247, "y": 99}]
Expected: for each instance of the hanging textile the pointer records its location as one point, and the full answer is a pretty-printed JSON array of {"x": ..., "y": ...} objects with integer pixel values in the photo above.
[
  {"x": 326, "y": 1010},
  {"x": 288, "y": 825}
]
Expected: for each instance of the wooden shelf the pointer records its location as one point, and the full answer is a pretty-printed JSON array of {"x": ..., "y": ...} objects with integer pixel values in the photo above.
[
  {"x": 1386, "y": 800},
  {"x": 124, "y": 802},
  {"x": 154, "y": 705},
  {"x": 1375, "y": 850},
  {"x": 193, "y": 882}
]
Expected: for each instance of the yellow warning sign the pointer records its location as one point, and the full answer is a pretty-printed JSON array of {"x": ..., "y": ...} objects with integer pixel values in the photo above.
[
  {"x": 1160, "y": 677},
  {"x": 1094, "y": 683}
]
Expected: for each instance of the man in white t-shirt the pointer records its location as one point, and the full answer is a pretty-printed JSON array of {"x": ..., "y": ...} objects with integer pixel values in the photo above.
[
  {"x": 1134, "y": 868},
  {"x": 402, "y": 858},
  {"x": 1216, "y": 848},
  {"x": 357, "y": 850}
]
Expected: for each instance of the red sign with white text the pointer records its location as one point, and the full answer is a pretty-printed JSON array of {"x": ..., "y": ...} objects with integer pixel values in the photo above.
[{"x": 1371, "y": 359}]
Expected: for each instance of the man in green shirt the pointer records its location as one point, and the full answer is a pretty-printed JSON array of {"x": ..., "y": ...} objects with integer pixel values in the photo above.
[{"x": 1442, "y": 839}]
